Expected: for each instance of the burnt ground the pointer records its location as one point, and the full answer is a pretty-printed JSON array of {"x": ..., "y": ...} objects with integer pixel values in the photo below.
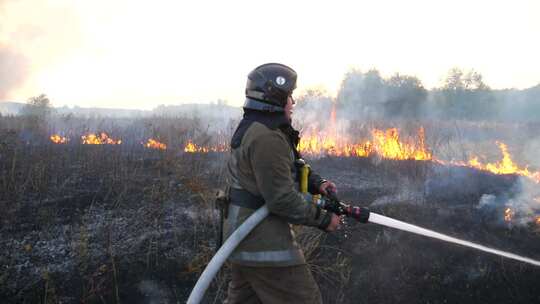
[
  {"x": 390, "y": 266},
  {"x": 103, "y": 224}
]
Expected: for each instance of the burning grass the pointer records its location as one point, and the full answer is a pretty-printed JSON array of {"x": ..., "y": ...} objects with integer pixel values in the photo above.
[
  {"x": 58, "y": 139},
  {"x": 90, "y": 220},
  {"x": 154, "y": 144},
  {"x": 99, "y": 139}
]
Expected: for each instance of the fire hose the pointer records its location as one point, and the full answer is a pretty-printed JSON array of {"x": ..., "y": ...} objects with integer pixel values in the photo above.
[
  {"x": 330, "y": 203},
  {"x": 223, "y": 253}
]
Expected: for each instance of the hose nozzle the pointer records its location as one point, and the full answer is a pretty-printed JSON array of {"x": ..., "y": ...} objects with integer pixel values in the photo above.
[
  {"x": 331, "y": 203},
  {"x": 360, "y": 214}
]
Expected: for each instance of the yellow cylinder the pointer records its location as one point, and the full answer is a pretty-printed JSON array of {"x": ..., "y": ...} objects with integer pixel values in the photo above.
[{"x": 304, "y": 173}]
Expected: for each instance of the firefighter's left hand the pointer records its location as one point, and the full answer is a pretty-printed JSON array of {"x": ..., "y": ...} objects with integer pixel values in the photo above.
[{"x": 327, "y": 186}]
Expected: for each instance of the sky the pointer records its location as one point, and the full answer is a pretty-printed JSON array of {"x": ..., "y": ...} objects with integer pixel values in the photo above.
[{"x": 140, "y": 54}]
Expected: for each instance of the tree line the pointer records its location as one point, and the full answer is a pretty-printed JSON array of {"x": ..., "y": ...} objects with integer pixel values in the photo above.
[{"x": 463, "y": 95}]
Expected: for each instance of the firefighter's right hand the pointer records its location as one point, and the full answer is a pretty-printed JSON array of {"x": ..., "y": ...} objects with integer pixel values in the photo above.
[{"x": 334, "y": 223}]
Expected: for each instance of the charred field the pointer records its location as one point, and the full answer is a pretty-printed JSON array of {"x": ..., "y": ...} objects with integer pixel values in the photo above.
[{"x": 126, "y": 223}]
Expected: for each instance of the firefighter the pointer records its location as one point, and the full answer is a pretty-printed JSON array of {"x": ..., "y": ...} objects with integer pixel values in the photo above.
[{"x": 268, "y": 266}]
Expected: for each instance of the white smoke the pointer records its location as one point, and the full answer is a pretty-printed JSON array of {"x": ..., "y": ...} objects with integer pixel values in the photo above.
[
  {"x": 486, "y": 200},
  {"x": 524, "y": 206},
  {"x": 13, "y": 70},
  {"x": 154, "y": 293},
  {"x": 531, "y": 152}
]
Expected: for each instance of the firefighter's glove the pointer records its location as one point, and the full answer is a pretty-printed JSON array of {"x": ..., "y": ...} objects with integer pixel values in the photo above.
[{"x": 329, "y": 221}]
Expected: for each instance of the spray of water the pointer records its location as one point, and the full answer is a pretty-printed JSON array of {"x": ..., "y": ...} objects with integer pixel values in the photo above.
[{"x": 389, "y": 222}]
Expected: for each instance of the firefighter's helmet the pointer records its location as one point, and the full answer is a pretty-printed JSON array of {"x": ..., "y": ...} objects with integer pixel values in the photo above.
[{"x": 268, "y": 87}]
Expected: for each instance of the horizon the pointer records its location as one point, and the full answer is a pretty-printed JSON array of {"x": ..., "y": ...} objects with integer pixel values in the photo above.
[{"x": 219, "y": 101}]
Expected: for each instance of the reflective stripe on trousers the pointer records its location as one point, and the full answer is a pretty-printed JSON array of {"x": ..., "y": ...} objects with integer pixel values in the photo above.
[
  {"x": 268, "y": 256},
  {"x": 293, "y": 255}
]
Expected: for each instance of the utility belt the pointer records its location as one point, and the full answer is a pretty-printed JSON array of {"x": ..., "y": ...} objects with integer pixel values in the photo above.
[
  {"x": 245, "y": 199},
  {"x": 233, "y": 196}
]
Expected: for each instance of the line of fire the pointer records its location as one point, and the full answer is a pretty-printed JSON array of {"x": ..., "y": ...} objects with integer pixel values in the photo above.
[{"x": 385, "y": 144}]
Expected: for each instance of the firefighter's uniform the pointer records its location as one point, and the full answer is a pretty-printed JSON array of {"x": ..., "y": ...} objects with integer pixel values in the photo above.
[{"x": 268, "y": 265}]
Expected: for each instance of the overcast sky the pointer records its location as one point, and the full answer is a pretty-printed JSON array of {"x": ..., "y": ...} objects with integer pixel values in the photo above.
[{"x": 139, "y": 54}]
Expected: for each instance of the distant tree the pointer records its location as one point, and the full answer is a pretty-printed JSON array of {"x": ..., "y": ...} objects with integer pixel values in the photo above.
[
  {"x": 39, "y": 106},
  {"x": 464, "y": 95},
  {"x": 406, "y": 96},
  {"x": 526, "y": 105},
  {"x": 457, "y": 79},
  {"x": 362, "y": 94},
  {"x": 454, "y": 80},
  {"x": 369, "y": 95},
  {"x": 311, "y": 95},
  {"x": 314, "y": 104},
  {"x": 36, "y": 112}
]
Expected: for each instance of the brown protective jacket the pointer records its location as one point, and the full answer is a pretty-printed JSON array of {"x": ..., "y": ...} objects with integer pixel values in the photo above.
[{"x": 263, "y": 165}]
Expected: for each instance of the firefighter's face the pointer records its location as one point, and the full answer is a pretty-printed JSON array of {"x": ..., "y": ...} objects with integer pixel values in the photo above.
[{"x": 289, "y": 107}]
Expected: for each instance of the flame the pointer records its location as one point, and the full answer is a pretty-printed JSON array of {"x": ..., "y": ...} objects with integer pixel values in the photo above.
[
  {"x": 508, "y": 214},
  {"x": 58, "y": 139},
  {"x": 388, "y": 145},
  {"x": 194, "y": 148},
  {"x": 154, "y": 144},
  {"x": 190, "y": 147},
  {"x": 385, "y": 143},
  {"x": 504, "y": 166},
  {"x": 538, "y": 220},
  {"x": 101, "y": 139}
]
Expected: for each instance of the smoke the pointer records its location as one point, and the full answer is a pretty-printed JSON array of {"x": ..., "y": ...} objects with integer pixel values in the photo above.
[
  {"x": 362, "y": 95},
  {"x": 531, "y": 152},
  {"x": 154, "y": 293},
  {"x": 40, "y": 33},
  {"x": 312, "y": 109},
  {"x": 487, "y": 201},
  {"x": 520, "y": 208},
  {"x": 13, "y": 65},
  {"x": 525, "y": 206},
  {"x": 13, "y": 70}
]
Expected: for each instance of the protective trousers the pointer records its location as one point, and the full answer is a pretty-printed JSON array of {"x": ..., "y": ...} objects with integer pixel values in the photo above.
[{"x": 269, "y": 285}]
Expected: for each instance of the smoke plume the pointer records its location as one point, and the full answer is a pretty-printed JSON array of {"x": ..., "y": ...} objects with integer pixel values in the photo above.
[{"x": 13, "y": 70}]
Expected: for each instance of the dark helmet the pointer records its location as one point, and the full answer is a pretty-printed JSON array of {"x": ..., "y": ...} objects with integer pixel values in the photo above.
[{"x": 268, "y": 87}]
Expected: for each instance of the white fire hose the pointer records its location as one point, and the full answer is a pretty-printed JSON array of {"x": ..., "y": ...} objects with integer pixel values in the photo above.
[{"x": 223, "y": 253}]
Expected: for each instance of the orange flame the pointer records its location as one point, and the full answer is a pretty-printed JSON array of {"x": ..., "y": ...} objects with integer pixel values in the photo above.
[
  {"x": 58, "y": 139},
  {"x": 387, "y": 144},
  {"x": 154, "y": 144},
  {"x": 101, "y": 139},
  {"x": 504, "y": 166},
  {"x": 538, "y": 220},
  {"x": 194, "y": 148}
]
